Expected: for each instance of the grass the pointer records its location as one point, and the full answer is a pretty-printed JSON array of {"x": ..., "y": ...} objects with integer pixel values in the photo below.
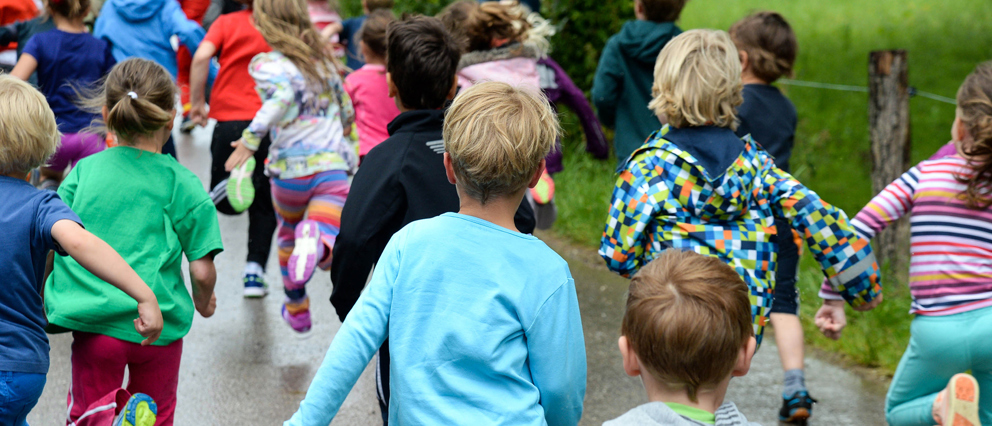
[{"x": 944, "y": 40}]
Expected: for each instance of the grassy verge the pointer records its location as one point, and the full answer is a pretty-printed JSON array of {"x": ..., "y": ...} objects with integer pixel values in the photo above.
[{"x": 832, "y": 142}]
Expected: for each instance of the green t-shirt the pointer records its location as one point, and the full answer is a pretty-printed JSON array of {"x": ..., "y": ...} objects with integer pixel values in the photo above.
[
  {"x": 697, "y": 414},
  {"x": 151, "y": 210}
]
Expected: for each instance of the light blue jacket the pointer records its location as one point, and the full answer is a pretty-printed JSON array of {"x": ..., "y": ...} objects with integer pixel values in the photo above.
[
  {"x": 483, "y": 326},
  {"x": 143, "y": 29}
]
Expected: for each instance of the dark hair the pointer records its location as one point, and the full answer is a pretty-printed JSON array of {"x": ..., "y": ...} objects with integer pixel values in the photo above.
[
  {"x": 421, "y": 58},
  {"x": 663, "y": 10},
  {"x": 140, "y": 97},
  {"x": 71, "y": 9},
  {"x": 373, "y": 32},
  {"x": 975, "y": 110},
  {"x": 769, "y": 42},
  {"x": 375, "y": 5}
]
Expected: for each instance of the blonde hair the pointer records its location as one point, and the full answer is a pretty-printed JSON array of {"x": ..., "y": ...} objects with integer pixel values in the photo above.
[
  {"x": 140, "y": 97},
  {"x": 496, "y": 135},
  {"x": 975, "y": 110},
  {"x": 28, "y": 133},
  {"x": 483, "y": 26},
  {"x": 286, "y": 26},
  {"x": 697, "y": 80}
]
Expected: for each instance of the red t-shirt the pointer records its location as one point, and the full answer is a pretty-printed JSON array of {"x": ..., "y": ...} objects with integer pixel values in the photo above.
[{"x": 233, "y": 97}]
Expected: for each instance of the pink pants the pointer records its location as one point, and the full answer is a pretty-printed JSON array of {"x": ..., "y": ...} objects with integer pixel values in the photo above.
[{"x": 98, "y": 363}]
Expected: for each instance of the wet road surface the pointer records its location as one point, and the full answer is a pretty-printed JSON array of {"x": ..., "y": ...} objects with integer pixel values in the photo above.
[{"x": 244, "y": 366}]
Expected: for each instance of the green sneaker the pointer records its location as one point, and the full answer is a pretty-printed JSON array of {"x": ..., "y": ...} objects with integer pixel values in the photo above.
[
  {"x": 240, "y": 190},
  {"x": 139, "y": 411}
]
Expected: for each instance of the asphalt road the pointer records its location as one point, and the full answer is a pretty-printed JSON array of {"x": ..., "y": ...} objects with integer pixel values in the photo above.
[{"x": 244, "y": 366}]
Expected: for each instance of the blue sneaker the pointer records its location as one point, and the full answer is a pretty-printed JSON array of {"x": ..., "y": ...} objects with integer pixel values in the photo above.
[
  {"x": 255, "y": 286},
  {"x": 797, "y": 408},
  {"x": 139, "y": 411}
]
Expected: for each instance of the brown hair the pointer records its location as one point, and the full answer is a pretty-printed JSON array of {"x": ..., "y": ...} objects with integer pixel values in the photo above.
[
  {"x": 975, "y": 110},
  {"x": 480, "y": 26},
  {"x": 769, "y": 42},
  {"x": 496, "y": 135},
  {"x": 28, "y": 133},
  {"x": 663, "y": 10},
  {"x": 140, "y": 97},
  {"x": 374, "y": 5},
  {"x": 373, "y": 32},
  {"x": 688, "y": 316},
  {"x": 286, "y": 26},
  {"x": 421, "y": 58},
  {"x": 70, "y": 9}
]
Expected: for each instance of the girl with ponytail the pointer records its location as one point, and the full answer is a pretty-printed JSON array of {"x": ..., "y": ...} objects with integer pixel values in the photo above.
[
  {"x": 950, "y": 273},
  {"x": 307, "y": 114},
  {"x": 153, "y": 211}
]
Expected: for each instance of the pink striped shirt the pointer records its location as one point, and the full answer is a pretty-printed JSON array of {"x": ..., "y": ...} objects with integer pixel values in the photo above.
[{"x": 951, "y": 245}]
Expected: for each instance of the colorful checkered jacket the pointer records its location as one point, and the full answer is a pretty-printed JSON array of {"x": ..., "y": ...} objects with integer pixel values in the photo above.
[{"x": 704, "y": 189}]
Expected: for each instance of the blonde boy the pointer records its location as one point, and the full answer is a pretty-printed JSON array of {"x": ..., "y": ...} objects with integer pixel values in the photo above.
[
  {"x": 686, "y": 332},
  {"x": 483, "y": 321},
  {"x": 694, "y": 185}
]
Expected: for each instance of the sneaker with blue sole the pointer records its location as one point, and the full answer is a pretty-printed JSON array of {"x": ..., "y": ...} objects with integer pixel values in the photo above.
[
  {"x": 796, "y": 408},
  {"x": 255, "y": 286},
  {"x": 140, "y": 410}
]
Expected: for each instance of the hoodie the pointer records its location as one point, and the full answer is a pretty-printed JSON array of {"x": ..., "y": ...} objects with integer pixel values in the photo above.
[
  {"x": 703, "y": 189},
  {"x": 514, "y": 64},
  {"x": 660, "y": 414},
  {"x": 143, "y": 29},
  {"x": 621, "y": 90}
]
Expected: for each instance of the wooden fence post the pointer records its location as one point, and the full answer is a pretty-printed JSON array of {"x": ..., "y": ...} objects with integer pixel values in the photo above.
[{"x": 888, "y": 116}]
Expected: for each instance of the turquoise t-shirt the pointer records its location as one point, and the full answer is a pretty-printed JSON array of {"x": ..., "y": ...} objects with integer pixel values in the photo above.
[{"x": 151, "y": 210}]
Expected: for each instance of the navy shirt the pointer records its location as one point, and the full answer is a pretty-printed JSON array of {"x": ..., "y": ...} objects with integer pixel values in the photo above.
[
  {"x": 770, "y": 118},
  {"x": 66, "y": 60},
  {"x": 26, "y": 218},
  {"x": 349, "y": 35}
]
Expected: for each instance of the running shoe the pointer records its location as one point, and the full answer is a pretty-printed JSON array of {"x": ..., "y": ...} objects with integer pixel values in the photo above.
[
  {"x": 297, "y": 314},
  {"x": 797, "y": 408},
  {"x": 240, "y": 189},
  {"x": 140, "y": 410},
  {"x": 308, "y": 251},
  {"x": 544, "y": 192},
  {"x": 187, "y": 125},
  {"x": 958, "y": 404},
  {"x": 255, "y": 286}
]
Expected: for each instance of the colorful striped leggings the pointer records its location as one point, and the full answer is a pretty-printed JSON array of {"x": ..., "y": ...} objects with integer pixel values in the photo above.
[{"x": 320, "y": 198}]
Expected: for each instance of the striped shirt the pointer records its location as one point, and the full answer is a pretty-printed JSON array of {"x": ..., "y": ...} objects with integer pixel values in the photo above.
[{"x": 951, "y": 245}]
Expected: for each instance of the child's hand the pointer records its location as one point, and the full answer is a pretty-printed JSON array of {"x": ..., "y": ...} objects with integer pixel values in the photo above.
[
  {"x": 870, "y": 305},
  {"x": 206, "y": 307},
  {"x": 239, "y": 156},
  {"x": 149, "y": 322},
  {"x": 830, "y": 319},
  {"x": 198, "y": 114}
]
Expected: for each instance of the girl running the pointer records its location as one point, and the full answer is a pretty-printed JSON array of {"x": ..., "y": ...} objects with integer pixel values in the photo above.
[
  {"x": 950, "y": 271},
  {"x": 306, "y": 113},
  {"x": 152, "y": 210},
  {"x": 65, "y": 58}
]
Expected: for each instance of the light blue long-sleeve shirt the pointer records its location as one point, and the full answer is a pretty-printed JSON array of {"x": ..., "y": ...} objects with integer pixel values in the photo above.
[{"x": 483, "y": 326}]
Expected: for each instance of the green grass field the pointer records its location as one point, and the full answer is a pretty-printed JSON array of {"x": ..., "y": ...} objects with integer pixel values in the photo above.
[{"x": 945, "y": 40}]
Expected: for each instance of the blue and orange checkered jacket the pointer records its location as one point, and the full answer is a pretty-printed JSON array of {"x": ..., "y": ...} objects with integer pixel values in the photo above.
[{"x": 725, "y": 206}]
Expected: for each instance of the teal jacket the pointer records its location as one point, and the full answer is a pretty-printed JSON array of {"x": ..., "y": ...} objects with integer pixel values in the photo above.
[{"x": 622, "y": 88}]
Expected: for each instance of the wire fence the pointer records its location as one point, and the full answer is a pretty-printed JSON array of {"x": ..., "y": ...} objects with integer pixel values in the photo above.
[{"x": 863, "y": 89}]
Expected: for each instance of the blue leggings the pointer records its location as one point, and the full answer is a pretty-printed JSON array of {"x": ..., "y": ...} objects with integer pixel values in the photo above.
[
  {"x": 19, "y": 392},
  {"x": 940, "y": 347}
]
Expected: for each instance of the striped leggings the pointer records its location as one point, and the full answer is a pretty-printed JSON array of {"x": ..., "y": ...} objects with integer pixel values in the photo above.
[{"x": 320, "y": 198}]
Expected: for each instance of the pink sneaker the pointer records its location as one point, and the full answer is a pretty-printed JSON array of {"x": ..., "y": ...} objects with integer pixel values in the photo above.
[
  {"x": 297, "y": 315},
  {"x": 308, "y": 251}
]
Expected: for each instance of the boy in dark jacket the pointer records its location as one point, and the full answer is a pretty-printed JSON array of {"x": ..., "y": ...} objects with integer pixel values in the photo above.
[
  {"x": 622, "y": 87},
  {"x": 402, "y": 179}
]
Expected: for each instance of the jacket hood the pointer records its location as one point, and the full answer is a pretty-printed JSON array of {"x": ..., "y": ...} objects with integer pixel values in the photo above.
[
  {"x": 643, "y": 40},
  {"x": 658, "y": 413},
  {"x": 725, "y": 169},
  {"x": 137, "y": 10}
]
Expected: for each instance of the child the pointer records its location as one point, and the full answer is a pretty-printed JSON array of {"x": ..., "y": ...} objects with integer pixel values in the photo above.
[
  {"x": 21, "y": 31},
  {"x": 195, "y": 10},
  {"x": 767, "y": 48},
  {"x": 621, "y": 89},
  {"x": 153, "y": 210},
  {"x": 234, "y": 39},
  {"x": 34, "y": 223},
  {"x": 348, "y": 31},
  {"x": 949, "y": 270},
  {"x": 686, "y": 332},
  {"x": 367, "y": 86},
  {"x": 306, "y": 112},
  {"x": 67, "y": 58},
  {"x": 484, "y": 323},
  {"x": 694, "y": 185},
  {"x": 402, "y": 180}
]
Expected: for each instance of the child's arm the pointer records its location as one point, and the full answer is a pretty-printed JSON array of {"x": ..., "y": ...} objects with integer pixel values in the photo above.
[
  {"x": 26, "y": 66},
  {"x": 557, "y": 356},
  {"x": 608, "y": 84},
  {"x": 189, "y": 32},
  {"x": 343, "y": 98},
  {"x": 101, "y": 260},
  {"x": 359, "y": 337},
  {"x": 574, "y": 98},
  {"x": 273, "y": 85},
  {"x": 198, "y": 72},
  {"x": 203, "y": 274},
  {"x": 626, "y": 242}
]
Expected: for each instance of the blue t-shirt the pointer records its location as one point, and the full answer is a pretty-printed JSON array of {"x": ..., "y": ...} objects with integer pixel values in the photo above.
[
  {"x": 26, "y": 218},
  {"x": 66, "y": 60},
  {"x": 770, "y": 118},
  {"x": 483, "y": 325},
  {"x": 350, "y": 36}
]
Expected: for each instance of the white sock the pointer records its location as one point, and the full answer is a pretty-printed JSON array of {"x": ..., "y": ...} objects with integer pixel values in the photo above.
[{"x": 254, "y": 268}]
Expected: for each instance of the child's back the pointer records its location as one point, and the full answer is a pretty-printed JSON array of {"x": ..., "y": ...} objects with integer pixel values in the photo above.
[
  {"x": 770, "y": 118},
  {"x": 144, "y": 28},
  {"x": 233, "y": 94}
]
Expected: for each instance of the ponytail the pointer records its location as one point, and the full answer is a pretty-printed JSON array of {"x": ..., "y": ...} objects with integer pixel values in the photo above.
[
  {"x": 132, "y": 116},
  {"x": 975, "y": 110}
]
